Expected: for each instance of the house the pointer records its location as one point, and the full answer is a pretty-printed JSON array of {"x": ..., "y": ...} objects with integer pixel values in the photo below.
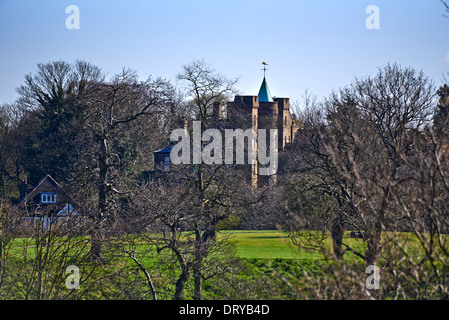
[
  {"x": 162, "y": 159},
  {"x": 47, "y": 201}
]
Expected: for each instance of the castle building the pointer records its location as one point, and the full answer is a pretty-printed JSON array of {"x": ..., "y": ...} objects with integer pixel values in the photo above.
[
  {"x": 267, "y": 112},
  {"x": 262, "y": 112}
]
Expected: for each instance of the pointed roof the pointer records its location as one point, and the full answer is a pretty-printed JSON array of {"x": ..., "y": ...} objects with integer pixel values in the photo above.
[
  {"x": 47, "y": 179},
  {"x": 48, "y": 184},
  {"x": 264, "y": 92}
]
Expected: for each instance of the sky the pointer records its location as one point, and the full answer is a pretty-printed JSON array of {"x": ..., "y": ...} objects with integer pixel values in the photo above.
[{"x": 314, "y": 45}]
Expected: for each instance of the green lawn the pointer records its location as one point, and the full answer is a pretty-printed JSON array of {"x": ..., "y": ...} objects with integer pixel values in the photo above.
[
  {"x": 265, "y": 244},
  {"x": 270, "y": 244},
  {"x": 268, "y": 256},
  {"x": 274, "y": 244}
]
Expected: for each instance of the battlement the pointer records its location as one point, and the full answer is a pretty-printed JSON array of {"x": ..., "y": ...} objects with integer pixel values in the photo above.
[
  {"x": 284, "y": 103},
  {"x": 247, "y": 101}
]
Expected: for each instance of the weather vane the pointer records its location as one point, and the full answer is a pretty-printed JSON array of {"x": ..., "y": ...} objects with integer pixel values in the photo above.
[{"x": 264, "y": 68}]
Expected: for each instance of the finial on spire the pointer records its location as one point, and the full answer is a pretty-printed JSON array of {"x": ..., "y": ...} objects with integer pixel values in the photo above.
[{"x": 264, "y": 68}]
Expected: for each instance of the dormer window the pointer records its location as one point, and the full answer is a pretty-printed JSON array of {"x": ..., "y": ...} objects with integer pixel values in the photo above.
[{"x": 48, "y": 197}]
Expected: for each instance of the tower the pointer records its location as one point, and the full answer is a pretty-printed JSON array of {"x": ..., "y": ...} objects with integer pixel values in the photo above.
[
  {"x": 261, "y": 111},
  {"x": 264, "y": 93}
]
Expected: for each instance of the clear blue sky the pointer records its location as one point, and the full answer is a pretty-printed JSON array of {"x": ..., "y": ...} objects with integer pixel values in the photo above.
[{"x": 317, "y": 45}]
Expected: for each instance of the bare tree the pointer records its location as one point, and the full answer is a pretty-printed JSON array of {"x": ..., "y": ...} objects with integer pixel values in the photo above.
[
  {"x": 112, "y": 107},
  {"x": 315, "y": 195},
  {"x": 204, "y": 87},
  {"x": 184, "y": 215},
  {"x": 396, "y": 103},
  {"x": 392, "y": 164},
  {"x": 357, "y": 153},
  {"x": 36, "y": 248},
  {"x": 166, "y": 215}
]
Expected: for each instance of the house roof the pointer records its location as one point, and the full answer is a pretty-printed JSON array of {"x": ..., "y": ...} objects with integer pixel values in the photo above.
[
  {"x": 41, "y": 187},
  {"x": 36, "y": 189},
  {"x": 165, "y": 150},
  {"x": 264, "y": 92}
]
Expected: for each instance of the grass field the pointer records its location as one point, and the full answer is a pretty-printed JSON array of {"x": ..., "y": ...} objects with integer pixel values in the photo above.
[
  {"x": 270, "y": 244},
  {"x": 273, "y": 244},
  {"x": 249, "y": 244},
  {"x": 260, "y": 244},
  {"x": 270, "y": 267}
]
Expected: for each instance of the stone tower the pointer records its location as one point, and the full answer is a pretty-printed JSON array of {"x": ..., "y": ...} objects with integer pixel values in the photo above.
[{"x": 263, "y": 112}]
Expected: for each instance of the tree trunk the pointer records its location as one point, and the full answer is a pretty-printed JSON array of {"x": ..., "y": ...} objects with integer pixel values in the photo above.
[
  {"x": 182, "y": 280},
  {"x": 198, "y": 283},
  {"x": 96, "y": 250},
  {"x": 97, "y": 236},
  {"x": 337, "y": 232},
  {"x": 374, "y": 247},
  {"x": 197, "y": 266}
]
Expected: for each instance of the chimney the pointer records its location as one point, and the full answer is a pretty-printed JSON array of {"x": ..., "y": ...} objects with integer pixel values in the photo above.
[{"x": 23, "y": 189}]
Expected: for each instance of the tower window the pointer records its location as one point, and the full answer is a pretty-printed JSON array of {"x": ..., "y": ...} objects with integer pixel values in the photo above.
[{"x": 48, "y": 197}]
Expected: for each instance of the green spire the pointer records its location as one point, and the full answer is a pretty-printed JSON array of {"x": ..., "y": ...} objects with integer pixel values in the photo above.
[{"x": 264, "y": 92}]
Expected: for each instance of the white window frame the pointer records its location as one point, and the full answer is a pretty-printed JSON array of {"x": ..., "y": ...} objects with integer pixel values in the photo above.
[{"x": 48, "y": 197}]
